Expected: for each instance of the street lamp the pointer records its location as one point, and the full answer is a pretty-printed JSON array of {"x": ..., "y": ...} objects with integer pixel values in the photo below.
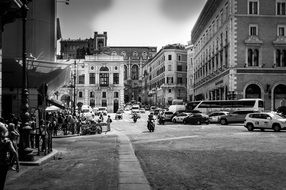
[{"x": 25, "y": 152}]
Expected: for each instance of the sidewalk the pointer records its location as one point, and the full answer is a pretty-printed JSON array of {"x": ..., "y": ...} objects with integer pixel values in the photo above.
[{"x": 130, "y": 173}]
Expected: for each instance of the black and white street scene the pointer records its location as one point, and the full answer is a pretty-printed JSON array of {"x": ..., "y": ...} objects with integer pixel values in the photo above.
[{"x": 142, "y": 95}]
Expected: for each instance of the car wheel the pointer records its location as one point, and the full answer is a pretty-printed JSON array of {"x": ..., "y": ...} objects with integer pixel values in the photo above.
[
  {"x": 249, "y": 126},
  {"x": 174, "y": 121},
  {"x": 223, "y": 121},
  {"x": 276, "y": 127},
  {"x": 262, "y": 130},
  {"x": 199, "y": 122},
  {"x": 185, "y": 122}
]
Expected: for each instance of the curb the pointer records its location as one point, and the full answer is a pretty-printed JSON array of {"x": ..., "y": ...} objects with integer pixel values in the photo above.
[
  {"x": 40, "y": 161},
  {"x": 65, "y": 136}
]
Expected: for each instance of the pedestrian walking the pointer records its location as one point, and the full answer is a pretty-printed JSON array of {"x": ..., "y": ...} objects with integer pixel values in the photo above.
[
  {"x": 6, "y": 147},
  {"x": 108, "y": 121},
  {"x": 13, "y": 136}
]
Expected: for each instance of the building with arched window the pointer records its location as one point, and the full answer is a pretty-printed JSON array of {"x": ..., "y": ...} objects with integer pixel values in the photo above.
[
  {"x": 99, "y": 82},
  {"x": 239, "y": 51},
  {"x": 134, "y": 58}
]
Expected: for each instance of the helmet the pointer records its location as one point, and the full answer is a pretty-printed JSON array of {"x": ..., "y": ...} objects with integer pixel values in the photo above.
[{"x": 3, "y": 130}]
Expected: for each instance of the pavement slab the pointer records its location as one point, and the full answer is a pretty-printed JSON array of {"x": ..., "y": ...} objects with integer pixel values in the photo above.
[{"x": 131, "y": 175}]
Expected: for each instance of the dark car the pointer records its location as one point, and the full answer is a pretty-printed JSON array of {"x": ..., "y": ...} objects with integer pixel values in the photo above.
[
  {"x": 234, "y": 117},
  {"x": 196, "y": 119},
  {"x": 281, "y": 110}
]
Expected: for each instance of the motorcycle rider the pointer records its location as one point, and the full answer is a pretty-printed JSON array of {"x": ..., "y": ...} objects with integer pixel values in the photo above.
[
  {"x": 135, "y": 117},
  {"x": 151, "y": 121}
]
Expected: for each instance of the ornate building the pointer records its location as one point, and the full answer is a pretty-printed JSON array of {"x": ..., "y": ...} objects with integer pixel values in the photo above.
[
  {"x": 98, "y": 82},
  {"x": 165, "y": 76},
  {"x": 134, "y": 59},
  {"x": 239, "y": 51}
]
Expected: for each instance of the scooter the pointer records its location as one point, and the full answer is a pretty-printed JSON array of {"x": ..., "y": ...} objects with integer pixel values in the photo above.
[
  {"x": 135, "y": 119},
  {"x": 151, "y": 125}
]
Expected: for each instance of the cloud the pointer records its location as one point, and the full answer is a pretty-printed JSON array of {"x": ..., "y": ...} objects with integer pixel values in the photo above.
[{"x": 181, "y": 10}]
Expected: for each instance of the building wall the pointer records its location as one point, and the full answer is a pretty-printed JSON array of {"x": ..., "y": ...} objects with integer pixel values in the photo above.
[
  {"x": 159, "y": 71},
  {"x": 252, "y": 58},
  {"x": 40, "y": 29},
  {"x": 134, "y": 57},
  {"x": 93, "y": 64}
]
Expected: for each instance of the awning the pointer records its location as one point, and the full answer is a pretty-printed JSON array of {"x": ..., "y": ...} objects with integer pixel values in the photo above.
[
  {"x": 56, "y": 103},
  {"x": 39, "y": 72}
]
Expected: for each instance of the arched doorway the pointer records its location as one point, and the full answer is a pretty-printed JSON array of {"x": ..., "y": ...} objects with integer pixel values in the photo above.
[
  {"x": 115, "y": 105},
  {"x": 253, "y": 91},
  {"x": 279, "y": 96}
]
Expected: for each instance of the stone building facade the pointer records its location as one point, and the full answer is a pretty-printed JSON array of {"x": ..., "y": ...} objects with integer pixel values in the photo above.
[
  {"x": 134, "y": 59},
  {"x": 240, "y": 51},
  {"x": 165, "y": 76},
  {"x": 98, "y": 82}
]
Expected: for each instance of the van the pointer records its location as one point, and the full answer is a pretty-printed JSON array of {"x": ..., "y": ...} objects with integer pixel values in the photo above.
[{"x": 176, "y": 108}]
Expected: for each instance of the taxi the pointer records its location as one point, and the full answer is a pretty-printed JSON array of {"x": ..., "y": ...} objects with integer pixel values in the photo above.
[{"x": 265, "y": 120}]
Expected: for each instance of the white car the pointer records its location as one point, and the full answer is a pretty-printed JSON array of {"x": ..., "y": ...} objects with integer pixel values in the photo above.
[
  {"x": 215, "y": 116},
  {"x": 102, "y": 110},
  {"x": 180, "y": 117},
  {"x": 265, "y": 120}
]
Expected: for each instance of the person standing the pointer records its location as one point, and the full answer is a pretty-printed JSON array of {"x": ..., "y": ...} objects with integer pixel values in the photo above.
[
  {"x": 6, "y": 147},
  {"x": 108, "y": 121}
]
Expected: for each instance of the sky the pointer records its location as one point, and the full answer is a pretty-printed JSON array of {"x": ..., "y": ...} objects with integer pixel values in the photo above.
[{"x": 130, "y": 22}]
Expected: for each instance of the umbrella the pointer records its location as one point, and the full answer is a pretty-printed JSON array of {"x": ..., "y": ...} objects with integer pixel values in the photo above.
[{"x": 52, "y": 108}]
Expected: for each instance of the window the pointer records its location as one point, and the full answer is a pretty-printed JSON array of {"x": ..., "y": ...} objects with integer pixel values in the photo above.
[
  {"x": 103, "y": 94},
  {"x": 115, "y": 67},
  {"x": 91, "y": 94},
  {"x": 253, "y": 7},
  {"x": 253, "y": 30},
  {"x": 179, "y": 80},
  {"x": 179, "y": 57},
  {"x": 116, "y": 95},
  {"x": 103, "y": 79},
  {"x": 169, "y": 67},
  {"x": 81, "y": 79},
  {"x": 135, "y": 72},
  {"x": 179, "y": 68},
  {"x": 80, "y": 94},
  {"x": 281, "y": 7},
  {"x": 253, "y": 57},
  {"x": 281, "y": 31},
  {"x": 170, "y": 90},
  {"x": 116, "y": 78},
  {"x": 280, "y": 57},
  {"x": 169, "y": 57},
  {"x": 104, "y": 103},
  {"x": 91, "y": 78}
]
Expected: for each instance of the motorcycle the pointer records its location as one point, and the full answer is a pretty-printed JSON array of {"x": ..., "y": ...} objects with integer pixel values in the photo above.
[
  {"x": 135, "y": 117},
  {"x": 151, "y": 125}
]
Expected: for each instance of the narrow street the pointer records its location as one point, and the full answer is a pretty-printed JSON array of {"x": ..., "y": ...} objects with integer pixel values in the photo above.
[{"x": 175, "y": 156}]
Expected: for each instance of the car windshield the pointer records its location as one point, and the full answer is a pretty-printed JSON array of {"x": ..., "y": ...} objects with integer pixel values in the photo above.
[{"x": 101, "y": 109}]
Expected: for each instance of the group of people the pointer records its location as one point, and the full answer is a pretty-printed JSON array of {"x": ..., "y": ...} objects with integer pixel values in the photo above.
[{"x": 9, "y": 160}]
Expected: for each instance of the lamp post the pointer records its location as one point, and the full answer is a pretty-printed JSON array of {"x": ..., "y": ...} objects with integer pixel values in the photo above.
[
  {"x": 25, "y": 152},
  {"x": 74, "y": 84}
]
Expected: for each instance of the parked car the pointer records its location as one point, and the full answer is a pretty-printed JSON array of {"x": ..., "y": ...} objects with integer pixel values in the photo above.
[
  {"x": 265, "y": 120},
  {"x": 102, "y": 110},
  {"x": 216, "y": 116},
  {"x": 180, "y": 117},
  {"x": 142, "y": 110},
  {"x": 118, "y": 115},
  {"x": 152, "y": 108},
  {"x": 168, "y": 115},
  {"x": 197, "y": 118},
  {"x": 234, "y": 117}
]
